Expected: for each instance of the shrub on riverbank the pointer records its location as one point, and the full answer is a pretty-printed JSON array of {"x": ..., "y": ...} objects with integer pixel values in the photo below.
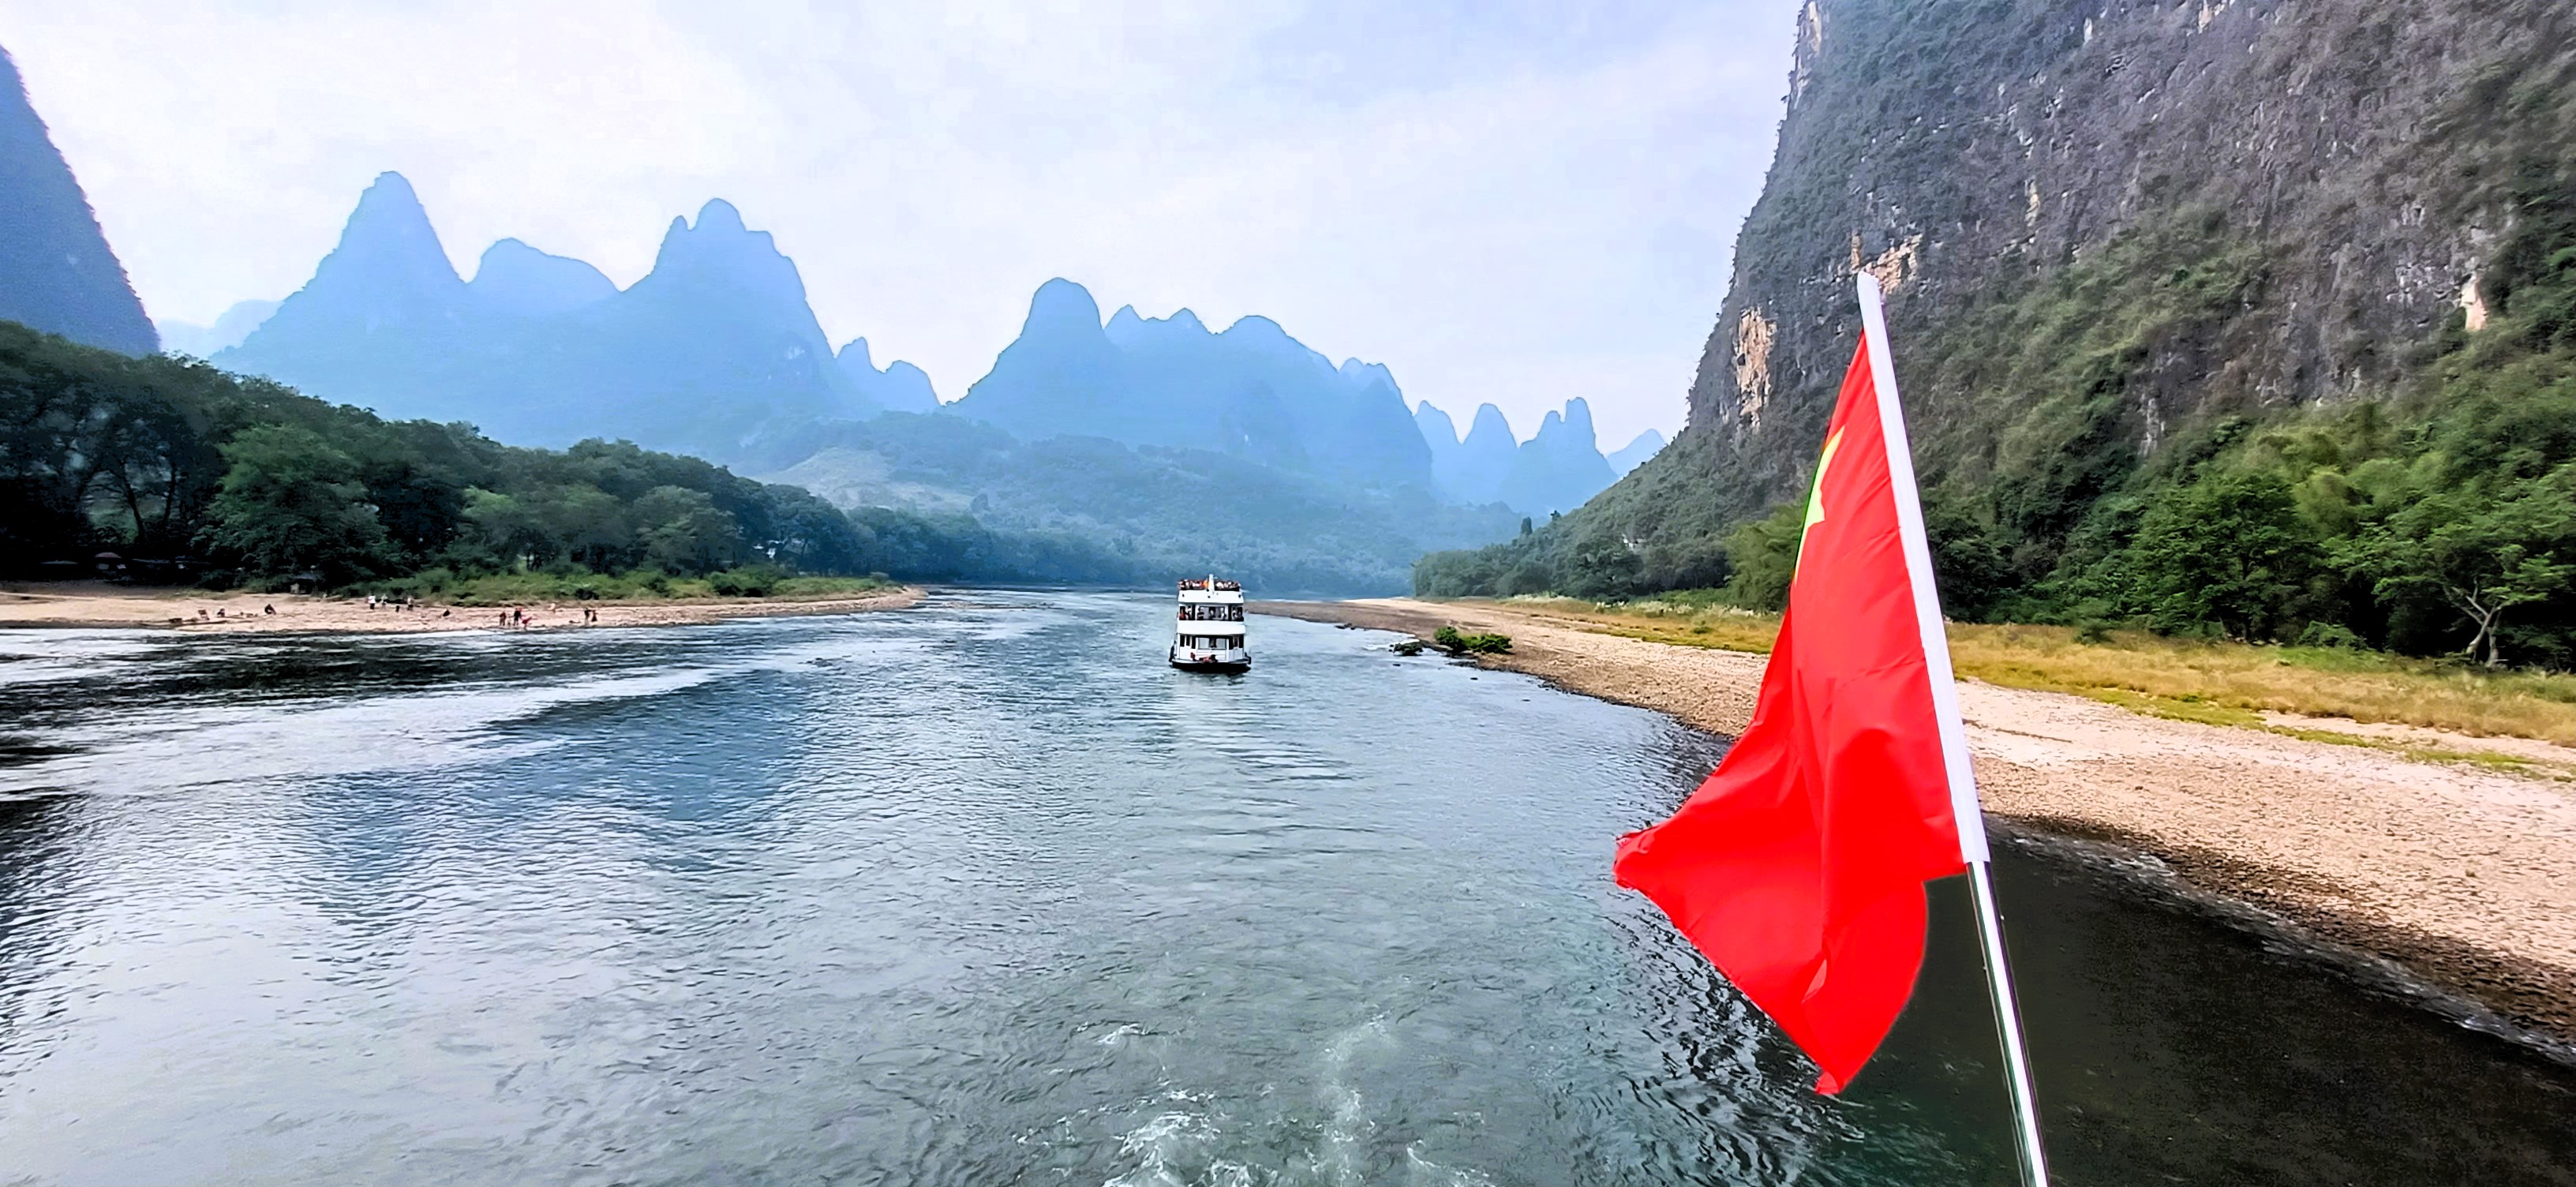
[{"x": 1451, "y": 640}]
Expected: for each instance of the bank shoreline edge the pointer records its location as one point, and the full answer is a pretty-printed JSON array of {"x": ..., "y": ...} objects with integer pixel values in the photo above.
[
  {"x": 34, "y": 608},
  {"x": 2466, "y": 974}
]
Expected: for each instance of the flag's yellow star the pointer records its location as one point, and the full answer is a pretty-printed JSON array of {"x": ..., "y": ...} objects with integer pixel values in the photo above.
[{"x": 1816, "y": 495}]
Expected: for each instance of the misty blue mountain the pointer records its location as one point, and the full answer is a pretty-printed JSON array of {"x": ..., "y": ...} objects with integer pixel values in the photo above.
[
  {"x": 713, "y": 347},
  {"x": 1250, "y": 391},
  {"x": 1170, "y": 441},
  {"x": 515, "y": 279},
  {"x": 896, "y": 387},
  {"x": 231, "y": 326},
  {"x": 1560, "y": 467},
  {"x": 1634, "y": 454},
  {"x": 1556, "y": 470},
  {"x": 56, "y": 272},
  {"x": 1469, "y": 471}
]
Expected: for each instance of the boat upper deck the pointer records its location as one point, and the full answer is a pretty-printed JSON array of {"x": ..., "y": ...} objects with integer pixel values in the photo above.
[{"x": 1211, "y": 591}]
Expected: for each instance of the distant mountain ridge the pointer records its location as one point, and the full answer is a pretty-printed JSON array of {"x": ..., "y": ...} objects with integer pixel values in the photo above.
[
  {"x": 1556, "y": 470},
  {"x": 1560, "y": 466},
  {"x": 231, "y": 326},
  {"x": 516, "y": 278},
  {"x": 1251, "y": 391},
  {"x": 712, "y": 348},
  {"x": 1635, "y": 453},
  {"x": 56, "y": 271},
  {"x": 897, "y": 387}
]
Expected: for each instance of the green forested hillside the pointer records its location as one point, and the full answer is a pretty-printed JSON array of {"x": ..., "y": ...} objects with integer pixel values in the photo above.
[
  {"x": 193, "y": 474},
  {"x": 2197, "y": 326}
]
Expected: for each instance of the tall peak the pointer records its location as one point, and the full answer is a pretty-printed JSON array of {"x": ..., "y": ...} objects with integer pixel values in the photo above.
[
  {"x": 390, "y": 230},
  {"x": 56, "y": 270},
  {"x": 719, "y": 215},
  {"x": 1436, "y": 426},
  {"x": 1061, "y": 304},
  {"x": 389, "y": 190}
]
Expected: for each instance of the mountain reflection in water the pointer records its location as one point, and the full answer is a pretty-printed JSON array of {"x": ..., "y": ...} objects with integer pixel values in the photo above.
[{"x": 984, "y": 893}]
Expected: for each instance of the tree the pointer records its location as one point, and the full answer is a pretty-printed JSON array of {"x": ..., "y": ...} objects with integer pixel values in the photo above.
[
  {"x": 292, "y": 502},
  {"x": 1603, "y": 564},
  {"x": 2481, "y": 557},
  {"x": 2228, "y": 551},
  {"x": 681, "y": 530},
  {"x": 1972, "y": 573},
  {"x": 1762, "y": 556}
]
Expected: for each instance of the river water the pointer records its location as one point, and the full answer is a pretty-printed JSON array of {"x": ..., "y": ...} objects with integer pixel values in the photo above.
[{"x": 982, "y": 893}]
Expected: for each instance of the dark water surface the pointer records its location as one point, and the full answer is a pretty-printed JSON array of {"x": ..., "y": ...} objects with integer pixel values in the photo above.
[{"x": 984, "y": 894}]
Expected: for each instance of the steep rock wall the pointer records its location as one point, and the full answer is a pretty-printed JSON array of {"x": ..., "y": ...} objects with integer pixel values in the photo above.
[{"x": 2103, "y": 225}]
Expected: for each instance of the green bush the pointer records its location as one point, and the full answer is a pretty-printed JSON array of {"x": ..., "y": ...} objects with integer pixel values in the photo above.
[
  {"x": 1449, "y": 639},
  {"x": 749, "y": 581}
]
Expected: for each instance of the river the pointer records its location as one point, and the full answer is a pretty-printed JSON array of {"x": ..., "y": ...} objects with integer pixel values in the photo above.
[{"x": 982, "y": 893}]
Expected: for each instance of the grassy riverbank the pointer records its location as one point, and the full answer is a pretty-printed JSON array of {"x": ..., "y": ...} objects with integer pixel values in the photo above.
[{"x": 2211, "y": 681}]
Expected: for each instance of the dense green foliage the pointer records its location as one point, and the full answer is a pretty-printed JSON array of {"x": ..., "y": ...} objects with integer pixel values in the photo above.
[
  {"x": 1455, "y": 642},
  {"x": 195, "y": 474},
  {"x": 2439, "y": 517}
]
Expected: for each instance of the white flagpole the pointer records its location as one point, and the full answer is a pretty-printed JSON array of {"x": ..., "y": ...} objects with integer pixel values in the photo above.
[{"x": 1954, "y": 735}]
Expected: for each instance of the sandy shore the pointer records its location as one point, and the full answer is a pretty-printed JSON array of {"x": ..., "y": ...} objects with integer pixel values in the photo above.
[
  {"x": 2462, "y": 875},
  {"x": 85, "y": 605}
]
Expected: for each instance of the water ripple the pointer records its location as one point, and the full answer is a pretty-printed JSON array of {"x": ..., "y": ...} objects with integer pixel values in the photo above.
[{"x": 982, "y": 894}]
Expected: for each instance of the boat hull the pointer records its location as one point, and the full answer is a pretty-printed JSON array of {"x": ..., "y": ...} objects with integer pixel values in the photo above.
[{"x": 1211, "y": 665}]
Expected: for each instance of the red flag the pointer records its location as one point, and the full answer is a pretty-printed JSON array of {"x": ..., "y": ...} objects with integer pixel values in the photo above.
[{"x": 1798, "y": 867}]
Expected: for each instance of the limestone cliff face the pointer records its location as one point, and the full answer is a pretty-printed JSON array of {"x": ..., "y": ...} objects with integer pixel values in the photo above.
[{"x": 2103, "y": 223}]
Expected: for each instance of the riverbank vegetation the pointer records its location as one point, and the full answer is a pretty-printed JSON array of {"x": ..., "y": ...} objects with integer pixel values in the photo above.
[
  {"x": 445, "y": 585},
  {"x": 180, "y": 473},
  {"x": 2193, "y": 678},
  {"x": 2439, "y": 518},
  {"x": 1456, "y": 642}
]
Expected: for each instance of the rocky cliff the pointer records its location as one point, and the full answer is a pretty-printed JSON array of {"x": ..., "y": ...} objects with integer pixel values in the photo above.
[{"x": 2108, "y": 229}]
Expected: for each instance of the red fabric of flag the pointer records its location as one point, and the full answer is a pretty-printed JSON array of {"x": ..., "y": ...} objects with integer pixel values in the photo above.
[{"x": 1798, "y": 867}]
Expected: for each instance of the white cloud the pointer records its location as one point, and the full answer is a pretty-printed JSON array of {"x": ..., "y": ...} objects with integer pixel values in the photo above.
[{"x": 1501, "y": 204}]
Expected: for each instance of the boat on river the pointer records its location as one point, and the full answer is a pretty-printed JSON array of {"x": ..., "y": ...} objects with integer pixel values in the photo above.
[{"x": 1208, "y": 636}]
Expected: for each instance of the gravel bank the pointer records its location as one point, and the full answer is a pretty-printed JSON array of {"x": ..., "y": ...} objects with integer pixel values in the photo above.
[{"x": 2462, "y": 875}]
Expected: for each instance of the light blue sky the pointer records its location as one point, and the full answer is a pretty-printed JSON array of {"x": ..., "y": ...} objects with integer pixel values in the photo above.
[{"x": 1506, "y": 202}]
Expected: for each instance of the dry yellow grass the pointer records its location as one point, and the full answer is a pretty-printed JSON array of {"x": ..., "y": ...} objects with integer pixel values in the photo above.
[{"x": 2200, "y": 680}]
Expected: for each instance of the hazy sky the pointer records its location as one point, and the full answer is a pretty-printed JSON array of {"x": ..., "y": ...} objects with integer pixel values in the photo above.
[{"x": 1506, "y": 202}]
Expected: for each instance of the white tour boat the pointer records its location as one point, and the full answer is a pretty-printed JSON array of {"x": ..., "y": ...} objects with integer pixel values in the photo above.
[{"x": 1210, "y": 634}]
